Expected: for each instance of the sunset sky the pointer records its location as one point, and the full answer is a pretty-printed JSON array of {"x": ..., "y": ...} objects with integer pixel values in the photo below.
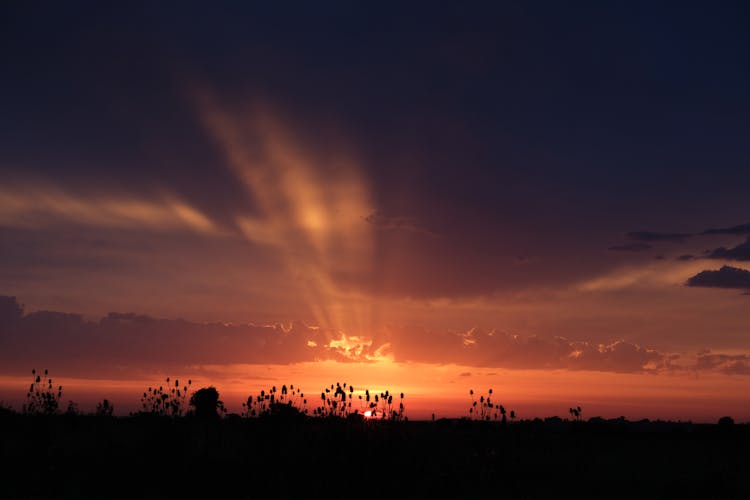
[{"x": 553, "y": 202}]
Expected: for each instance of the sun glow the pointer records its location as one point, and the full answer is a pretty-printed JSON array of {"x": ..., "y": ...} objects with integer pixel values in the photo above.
[{"x": 311, "y": 208}]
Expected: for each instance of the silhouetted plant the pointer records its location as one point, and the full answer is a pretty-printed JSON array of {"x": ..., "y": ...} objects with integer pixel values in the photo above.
[
  {"x": 485, "y": 409},
  {"x": 207, "y": 404},
  {"x": 285, "y": 402},
  {"x": 575, "y": 412},
  {"x": 42, "y": 398},
  {"x": 104, "y": 409},
  {"x": 72, "y": 409},
  {"x": 337, "y": 401},
  {"x": 165, "y": 402}
]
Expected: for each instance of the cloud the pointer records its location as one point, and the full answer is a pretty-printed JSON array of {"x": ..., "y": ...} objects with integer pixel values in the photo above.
[
  {"x": 477, "y": 347},
  {"x": 138, "y": 342},
  {"x": 726, "y": 277},
  {"x": 123, "y": 344},
  {"x": 630, "y": 247},
  {"x": 38, "y": 206},
  {"x": 740, "y": 252},
  {"x": 741, "y": 229},
  {"x": 732, "y": 364},
  {"x": 649, "y": 236},
  {"x": 685, "y": 257}
]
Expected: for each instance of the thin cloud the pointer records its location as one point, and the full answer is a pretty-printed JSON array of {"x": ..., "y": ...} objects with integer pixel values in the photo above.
[
  {"x": 41, "y": 206},
  {"x": 740, "y": 229}
]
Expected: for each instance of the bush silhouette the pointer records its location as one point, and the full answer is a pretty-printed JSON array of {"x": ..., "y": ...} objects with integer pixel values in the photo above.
[
  {"x": 206, "y": 403},
  {"x": 726, "y": 421}
]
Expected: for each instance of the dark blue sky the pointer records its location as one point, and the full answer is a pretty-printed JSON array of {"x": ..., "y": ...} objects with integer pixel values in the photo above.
[{"x": 630, "y": 107}]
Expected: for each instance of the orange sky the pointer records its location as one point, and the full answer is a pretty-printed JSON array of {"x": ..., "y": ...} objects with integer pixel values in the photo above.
[{"x": 443, "y": 389}]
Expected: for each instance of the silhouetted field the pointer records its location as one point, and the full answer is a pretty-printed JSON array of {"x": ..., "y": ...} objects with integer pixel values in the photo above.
[{"x": 75, "y": 456}]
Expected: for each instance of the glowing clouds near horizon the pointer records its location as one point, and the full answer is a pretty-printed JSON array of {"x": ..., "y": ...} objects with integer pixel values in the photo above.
[{"x": 309, "y": 209}]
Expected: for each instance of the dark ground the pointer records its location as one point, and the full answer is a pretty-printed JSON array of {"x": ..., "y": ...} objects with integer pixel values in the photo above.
[{"x": 144, "y": 457}]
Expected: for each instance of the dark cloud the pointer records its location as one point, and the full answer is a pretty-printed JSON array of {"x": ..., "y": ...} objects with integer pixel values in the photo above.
[
  {"x": 630, "y": 247},
  {"x": 649, "y": 236},
  {"x": 726, "y": 277},
  {"x": 739, "y": 252},
  {"x": 741, "y": 229},
  {"x": 79, "y": 346},
  {"x": 128, "y": 341}
]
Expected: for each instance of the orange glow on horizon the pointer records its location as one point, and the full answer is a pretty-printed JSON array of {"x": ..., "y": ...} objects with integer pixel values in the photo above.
[{"x": 443, "y": 390}]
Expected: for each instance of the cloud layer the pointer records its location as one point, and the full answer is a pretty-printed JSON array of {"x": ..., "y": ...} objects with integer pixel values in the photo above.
[{"x": 124, "y": 342}]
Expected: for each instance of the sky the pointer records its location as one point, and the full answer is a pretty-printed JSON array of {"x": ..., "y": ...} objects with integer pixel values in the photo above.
[{"x": 544, "y": 199}]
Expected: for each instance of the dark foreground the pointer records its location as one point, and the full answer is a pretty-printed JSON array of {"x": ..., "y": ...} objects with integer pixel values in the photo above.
[{"x": 139, "y": 457}]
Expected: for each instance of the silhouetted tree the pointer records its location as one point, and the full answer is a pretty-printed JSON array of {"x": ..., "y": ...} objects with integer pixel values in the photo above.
[
  {"x": 206, "y": 403},
  {"x": 726, "y": 421}
]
